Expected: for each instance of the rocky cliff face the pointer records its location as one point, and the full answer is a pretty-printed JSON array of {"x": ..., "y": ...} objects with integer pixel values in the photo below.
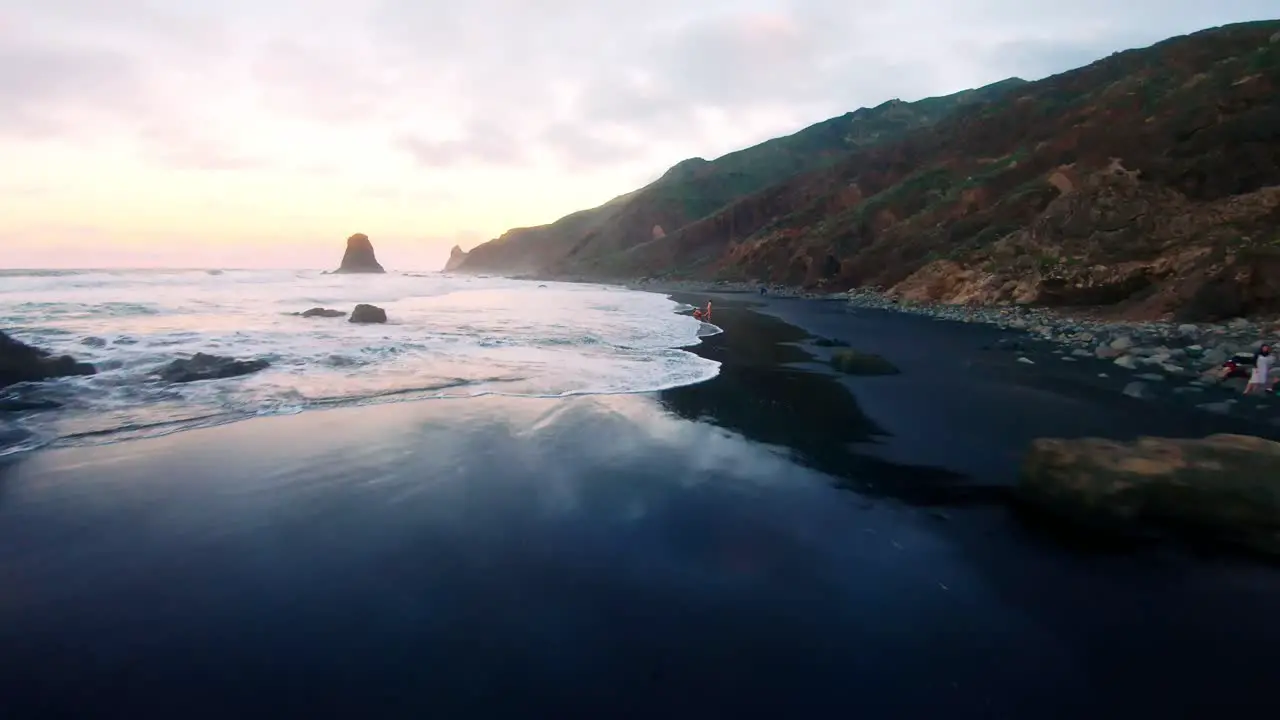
[
  {"x": 695, "y": 188},
  {"x": 1147, "y": 182},
  {"x": 359, "y": 257},
  {"x": 456, "y": 257}
]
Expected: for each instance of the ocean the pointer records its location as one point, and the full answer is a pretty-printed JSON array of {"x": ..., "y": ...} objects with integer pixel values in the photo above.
[{"x": 447, "y": 337}]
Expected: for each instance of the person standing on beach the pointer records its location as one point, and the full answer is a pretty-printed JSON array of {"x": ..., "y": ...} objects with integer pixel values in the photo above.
[{"x": 1260, "y": 380}]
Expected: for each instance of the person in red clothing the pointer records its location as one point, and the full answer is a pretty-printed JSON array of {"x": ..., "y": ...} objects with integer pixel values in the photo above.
[{"x": 704, "y": 314}]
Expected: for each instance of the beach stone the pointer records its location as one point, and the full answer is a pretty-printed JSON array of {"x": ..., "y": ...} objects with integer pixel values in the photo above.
[
  {"x": 1138, "y": 390},
  {"x": 202, "y": 366},
  {"x": 322, "y": 312},
  {"x": 1216, "y": 356},
  {"x": 1106, "y": 352},
  {"x": 368, "y": 314},
  {"x": 1127, "y": 361},
  {"x": 1188, "y": 329},
  {"x": 1081, "y": 353},
  {"x": 1219, "y": 408},
  {"x": 1188, "y": 390},
  {"x": 20, "y": 362},
  {"x": 1026, "y": 361},
  {"x": 94, "y": 342},
  {"x": 1151, "y": 377},
  {"x": 1124, "y": 342},
  {"x": 1225, "y": 486}
]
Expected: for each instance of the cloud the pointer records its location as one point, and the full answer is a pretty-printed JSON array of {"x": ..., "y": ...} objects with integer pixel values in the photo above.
[
  {"x": 47, "y": 89},
  {"x": 483, "y": 141},
  {"x": 337, "y": 111}
]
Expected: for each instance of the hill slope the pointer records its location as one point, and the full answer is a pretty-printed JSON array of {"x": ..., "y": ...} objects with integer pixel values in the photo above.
[
  {"x": 695, "y": 188},
  {"x": 1148, "y": 181}
]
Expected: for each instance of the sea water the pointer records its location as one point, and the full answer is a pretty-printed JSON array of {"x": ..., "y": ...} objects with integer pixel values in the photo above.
[{"x": 446, "y": 337}]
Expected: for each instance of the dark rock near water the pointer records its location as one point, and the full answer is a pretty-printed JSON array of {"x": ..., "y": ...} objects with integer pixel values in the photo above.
[
  {"x": 359, "y": 257},
  {"x": 852, "y": 362},
  {"x": 829, "y": 342},
  {"x": 202, "y": 366},
  {"x": 20, "y": 362},
  {"x": 368, "y": 314},
  {"x": 1222, "y": 486},
  {"x": 322, "y": 312}
]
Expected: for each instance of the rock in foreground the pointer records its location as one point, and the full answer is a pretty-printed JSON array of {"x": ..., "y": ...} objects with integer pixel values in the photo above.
[
  {"x": 209, "y": 367},
  {"x": 1226, "y": 487},
  {"x": 368, "y": 314},
  {"x": 359, "y": 257},
  {"x": 20, "y": 362}
]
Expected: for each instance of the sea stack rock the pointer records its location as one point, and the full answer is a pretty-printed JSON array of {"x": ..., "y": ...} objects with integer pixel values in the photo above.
[
  {"x": 359, "y": 257},
  {"x": 456, "y": 256}
]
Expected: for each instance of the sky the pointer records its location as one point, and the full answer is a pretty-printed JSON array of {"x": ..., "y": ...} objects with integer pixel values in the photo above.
[{"x": 244, "y": 133}]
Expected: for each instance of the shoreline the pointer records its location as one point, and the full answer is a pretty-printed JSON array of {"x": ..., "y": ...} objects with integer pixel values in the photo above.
[
  {"x": 713, "y": 548},
  {"x": 1155, "y": 359}
]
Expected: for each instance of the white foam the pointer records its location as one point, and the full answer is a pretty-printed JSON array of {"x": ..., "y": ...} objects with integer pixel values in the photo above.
[{"x": 448, "y": 337}]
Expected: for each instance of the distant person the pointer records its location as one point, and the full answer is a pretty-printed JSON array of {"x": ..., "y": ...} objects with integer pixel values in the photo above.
[
  {"x": 763, "y": 290},
  {"x": 704, "y": 314},
  {"x": 1260, "y": 380}
]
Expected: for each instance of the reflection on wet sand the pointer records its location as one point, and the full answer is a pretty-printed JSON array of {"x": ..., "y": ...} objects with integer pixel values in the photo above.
[{"x": 762, "y": 394}]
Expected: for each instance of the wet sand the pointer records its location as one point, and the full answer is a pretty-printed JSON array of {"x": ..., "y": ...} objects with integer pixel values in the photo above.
[{"x": 777, "y": 540}]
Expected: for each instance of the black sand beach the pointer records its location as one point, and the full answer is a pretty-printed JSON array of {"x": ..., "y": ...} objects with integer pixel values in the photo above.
[{"x": 777, "y": 541}]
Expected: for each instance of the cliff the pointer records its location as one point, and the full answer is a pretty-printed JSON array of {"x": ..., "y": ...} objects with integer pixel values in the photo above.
[
  {"x": 456, "y": 256},
  {"x": 359, "y": 257},
  {"x": 1147, "y": 182},
  {"x": 696, "y": 188}
]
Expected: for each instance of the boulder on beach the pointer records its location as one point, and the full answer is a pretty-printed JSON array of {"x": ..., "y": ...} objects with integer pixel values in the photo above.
[
  {"x": 322, "y": 312},
  {"x": 1226, "y": 487},
  {"x": 20, "y": 362},
  {"x": 852, "y": 362},
  {"x": 202, "y": 366},
  {"x": 368, "y": 314},
  {"x": 359, "y": 257}
]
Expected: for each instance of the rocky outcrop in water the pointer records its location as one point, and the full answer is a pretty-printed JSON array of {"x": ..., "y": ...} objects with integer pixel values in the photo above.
[
  {"x": 456, "y": 258},
  {"x": 321, "y": 312},
  {"x": 368, "y": 314},
  {"x": 202, "y": 366},
  {"x": 1224, "y": 486},
  {"x": 359, "y": 257},
  {"x": 20, "y": 362}
]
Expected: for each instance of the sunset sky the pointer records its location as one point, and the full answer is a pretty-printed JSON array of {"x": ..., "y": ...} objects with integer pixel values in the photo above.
[{"x": 262, "y": 134}]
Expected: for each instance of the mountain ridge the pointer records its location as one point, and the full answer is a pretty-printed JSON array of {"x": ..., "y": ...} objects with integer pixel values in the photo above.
[{"x": 1143, "y": 181}]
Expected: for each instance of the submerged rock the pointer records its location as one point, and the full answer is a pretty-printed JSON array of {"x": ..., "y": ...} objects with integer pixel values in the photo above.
[
  {"x": 20, "y": 362},
  {"x": 359, "y": 257},
  {"x": 852, "y": 362},
  {"x": 202, "y": 366},
  {"x": 322, "y": 312},
  {"x": 368, "y": 314},
  {"x": 1223, "y": 486}
]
